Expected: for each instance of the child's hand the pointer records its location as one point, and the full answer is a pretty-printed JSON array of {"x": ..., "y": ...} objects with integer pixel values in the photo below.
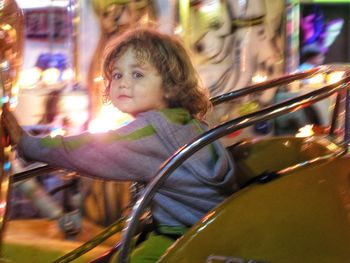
[{"x": 11, "y": 126}]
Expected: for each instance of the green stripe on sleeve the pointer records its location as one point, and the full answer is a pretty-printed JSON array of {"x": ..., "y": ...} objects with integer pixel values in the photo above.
[
  {"x": 176, "y": 115},
  {"x": 79, "y": 141}
]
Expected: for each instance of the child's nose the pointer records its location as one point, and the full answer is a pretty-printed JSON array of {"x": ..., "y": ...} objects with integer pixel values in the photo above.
[{"x": 124, "y": 83}]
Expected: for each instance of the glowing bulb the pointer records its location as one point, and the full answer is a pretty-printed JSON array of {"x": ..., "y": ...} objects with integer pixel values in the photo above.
[
  {"x": 50, "y": 76},
  {"x": 305, "y": 131},
  {"x": 317, "y": 79},
  {"x": 210, "y": 6},
  {"x": 334, "y": 77},
  {"x": 258, "y": 78},
  {"x": 29, "y": 77},
  {"x": 144, "y": 20},
  {"x": 178, "y": 30},
  {"x": 4, "y": 65},
  {"x": 98, "y": 79},
  {"x": 67, "y": 74}
]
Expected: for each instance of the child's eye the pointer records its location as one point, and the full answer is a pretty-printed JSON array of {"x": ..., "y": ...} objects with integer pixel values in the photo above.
[
  {"x": 117, "y": 75},
  {"x": 137, "y": 75}
]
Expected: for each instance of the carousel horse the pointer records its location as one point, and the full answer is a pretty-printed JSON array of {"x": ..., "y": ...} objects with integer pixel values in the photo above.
[
  {"x": 234, "y": 45},
  {"x": 234, "y": 48}
]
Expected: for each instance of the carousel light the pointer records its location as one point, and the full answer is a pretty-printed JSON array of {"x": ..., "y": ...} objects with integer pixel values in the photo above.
[
  {"x": 334, "y": 77},
  {"x": 34, "y": 4},
  {"x": 13, "y": 102},
  {"x": 50, "y": 76},
  {"x": 2, "y": 205},
  {"x": 15, "y": 90},
  {"x": 29, "y": 77},
  {"x": 4, "y": 65},
  {"x": 98, "y": 79},
  {"x": 178, "y": 30},
  {"x": 317, "y": 79},
  {"x": 67, "y": 74},
  {"x": 258, "y": 78},
  {"x": 7, "y": 27},
  {"x": 305, "y": 131},
  {"x": 144, "y": 20},
  {"x": 75, "y": 108},
  {"x": 103, "y": 121},
  {"x": 210, "y": 6}
]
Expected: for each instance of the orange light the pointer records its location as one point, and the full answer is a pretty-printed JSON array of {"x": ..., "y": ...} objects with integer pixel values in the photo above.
[
  {"x": 305, "y": 131},
  {"x": 103, "y": 122}
]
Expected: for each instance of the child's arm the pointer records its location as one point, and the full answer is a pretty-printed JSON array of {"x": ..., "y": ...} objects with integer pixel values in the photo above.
[{"x": 124, "y": 154}]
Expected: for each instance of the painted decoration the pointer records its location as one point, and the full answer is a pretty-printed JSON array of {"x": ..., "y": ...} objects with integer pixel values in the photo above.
[
  {"x": 45, "y": 23},
  {"x": 236, "y": 44},
  {"x": 316, "y": 33},
  {"x": 232, "y": 41}
]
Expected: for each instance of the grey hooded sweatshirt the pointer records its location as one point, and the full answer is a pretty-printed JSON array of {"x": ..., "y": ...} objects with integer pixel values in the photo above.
[{"x": 135, "y": 152}]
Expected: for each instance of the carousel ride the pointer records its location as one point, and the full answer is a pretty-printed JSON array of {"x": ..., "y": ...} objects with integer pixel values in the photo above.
[
  {"x": 294, "y": 201},
  {"x": 301, "y": 174}
]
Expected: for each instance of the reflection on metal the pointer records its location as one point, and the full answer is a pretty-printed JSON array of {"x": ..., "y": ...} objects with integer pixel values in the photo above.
[
  {"x": 11, "y": 44},
  {"x": 86, "y": 247},
  {"x": 231, "y": 126},
  {"x": 39, "y": 169},
  {"x": 269, "y": 84}
]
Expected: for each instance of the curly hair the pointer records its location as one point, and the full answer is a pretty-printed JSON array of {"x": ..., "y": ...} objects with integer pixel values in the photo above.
[{"x": 172, "y": 61}]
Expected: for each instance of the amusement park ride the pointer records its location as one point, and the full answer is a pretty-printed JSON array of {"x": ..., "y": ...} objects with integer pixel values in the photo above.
[{"x": 293, "y": 202}]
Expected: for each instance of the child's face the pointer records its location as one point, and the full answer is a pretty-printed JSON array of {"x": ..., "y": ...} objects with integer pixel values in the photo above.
[{"x": 136, "y": 85}]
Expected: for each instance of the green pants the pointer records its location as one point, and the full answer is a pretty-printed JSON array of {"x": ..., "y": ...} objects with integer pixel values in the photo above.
[{"x": 150, "y": 250}]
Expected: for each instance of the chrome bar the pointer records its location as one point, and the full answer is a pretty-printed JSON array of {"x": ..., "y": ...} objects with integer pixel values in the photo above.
[
  {"x": 268, "y": 84},
  {"x": 347, "y": 118},
  {"x": 335, "y": 114},
  {"x": 25, "y": 175}
]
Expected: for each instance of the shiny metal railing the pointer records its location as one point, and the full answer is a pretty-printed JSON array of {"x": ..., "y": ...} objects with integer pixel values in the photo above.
[
  {"x": 215, "y": 100},
  {"x": 273, "y": 83}
]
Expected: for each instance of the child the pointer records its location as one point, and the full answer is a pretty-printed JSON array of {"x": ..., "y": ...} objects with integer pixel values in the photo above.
[{"x": 150, "y": 76}]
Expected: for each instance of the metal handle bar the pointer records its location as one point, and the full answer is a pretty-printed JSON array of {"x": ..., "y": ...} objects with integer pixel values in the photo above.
[{"x": 273, "y": 83}]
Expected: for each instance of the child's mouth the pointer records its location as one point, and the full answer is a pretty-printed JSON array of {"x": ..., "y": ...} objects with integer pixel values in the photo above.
[{"x": 124, "y": 97}]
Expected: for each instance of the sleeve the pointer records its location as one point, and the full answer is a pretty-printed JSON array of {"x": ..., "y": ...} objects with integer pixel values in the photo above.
[{"x": 129, "y": 153}]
